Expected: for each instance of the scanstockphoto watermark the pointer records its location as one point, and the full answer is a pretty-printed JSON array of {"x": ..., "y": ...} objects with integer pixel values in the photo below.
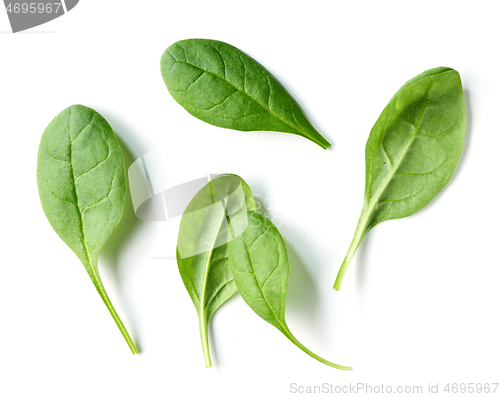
[
  {"x": 156, "y": 200},
  {"x": 366, "y": 388},
  {"x": 158, "y": 197},
  {"x": 354, "y": 388}
]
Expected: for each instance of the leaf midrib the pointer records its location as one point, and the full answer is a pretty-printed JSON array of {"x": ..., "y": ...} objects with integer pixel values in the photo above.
[
  {"x": 376, "y": 197},
  {"x": 207, "y": 266},
  {"x": 282, "y": 323},
  {"x": 268, "y": 110},
  {"x": 95, "y": 277}
]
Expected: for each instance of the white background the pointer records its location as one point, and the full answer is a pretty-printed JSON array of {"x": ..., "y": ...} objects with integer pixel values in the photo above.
[{"x": 420, "y": 301}]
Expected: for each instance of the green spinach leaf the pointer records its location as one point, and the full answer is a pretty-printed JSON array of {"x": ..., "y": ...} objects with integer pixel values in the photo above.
[
  {"x": 215, "y": 215},
  {"x": 82, "y": 186},
  {"x": 259, "y": 263},
  {"x": 412, "y": 151},
  {"x": 223, "y": 86}
]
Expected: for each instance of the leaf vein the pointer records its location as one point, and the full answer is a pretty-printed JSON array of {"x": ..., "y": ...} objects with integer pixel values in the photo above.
[
  {"x": 402, "y": 156},
  {"x": 60, "y": 198},
  {"x": 260, "y": 288},
  {"x": 194, "y": 81},
  {"x": 219, "y": 104},
  {"x": 402, "y": 199},
  {"x": 83, "y": 129},
  {"x": 385, "y": 153},
  {"x": 217, "y": 292},
  {"x": 266, "y": 110},
  {"x": 442, "y": 132},
  {"x": 97, "y": 165}
]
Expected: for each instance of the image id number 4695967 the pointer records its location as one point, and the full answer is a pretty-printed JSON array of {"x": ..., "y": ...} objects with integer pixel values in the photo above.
[
  {"x": 33, "y": 8},
  {"x": 471, "y": 388}
]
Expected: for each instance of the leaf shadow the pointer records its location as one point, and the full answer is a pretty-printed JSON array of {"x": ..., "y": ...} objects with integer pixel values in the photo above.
[
  {"x": 258, "y": 191},
  {"x": 115, "y": 245},
  {"x": 361, "y": 264},
  {"x": 212, "y": 344},
  {"x": 261, "y": 207},
  {"x": 135, "y": 147},
  {"x": 467, "y": 135},
  {"x": 303, "y": 298},
  {"x": 212, "y": 341},
  {"x": 302, "y": 294}
]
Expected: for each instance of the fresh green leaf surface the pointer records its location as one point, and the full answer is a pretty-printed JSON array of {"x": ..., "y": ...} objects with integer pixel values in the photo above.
[
  {"x": 82, "y": 186},
  {"x": 215, "y": 215},
  {"x": 259, "y": 263},
  {"x": 412, "y": 151},
  {"x": 223, "y": 86}
]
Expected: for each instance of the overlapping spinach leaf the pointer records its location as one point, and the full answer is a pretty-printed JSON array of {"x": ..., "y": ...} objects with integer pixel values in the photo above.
[
  {"x": 223, "y": 86},
  {"x": 412, "y": 151},
  {"x": 259, "y": 263},
  {"x": 215, "y": 215},
  {"x": 82, "y": 186}
]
